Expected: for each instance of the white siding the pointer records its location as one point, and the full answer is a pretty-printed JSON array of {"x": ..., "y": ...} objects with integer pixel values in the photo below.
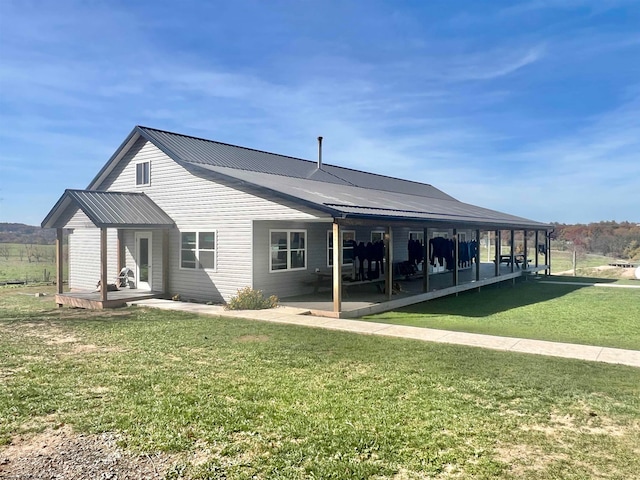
[
  {"x": 84, "y": 253},
  {"x": 288, "y": 283},
  {"x": 196, "y": 203}
]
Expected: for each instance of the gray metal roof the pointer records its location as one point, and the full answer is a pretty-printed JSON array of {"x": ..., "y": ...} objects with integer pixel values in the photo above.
[
  {"x": 352, "y": 201},
  {"x": 108, "y": 210},
  {"x": 334, "y": 190},
  {"x": 198, "y": 151}
]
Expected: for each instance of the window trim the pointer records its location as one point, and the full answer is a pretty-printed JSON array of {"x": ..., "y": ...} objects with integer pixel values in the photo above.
[
  {"x": 143, "y": 162},
  {"x": 330, "y": 252},
  {"x": 197, "y": 250},
  {"x": 288, "y": 250}
]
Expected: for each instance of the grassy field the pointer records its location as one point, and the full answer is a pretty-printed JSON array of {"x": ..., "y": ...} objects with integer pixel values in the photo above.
[
  {"x": 561, "y": 261},
  {"x": 256, "y": 400},
  {"x": 573, "y": 314},
  {"x": 17, "y": 267}
]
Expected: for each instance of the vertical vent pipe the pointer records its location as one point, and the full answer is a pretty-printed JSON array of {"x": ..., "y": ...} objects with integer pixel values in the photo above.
[{"x": 319, "y": 153}]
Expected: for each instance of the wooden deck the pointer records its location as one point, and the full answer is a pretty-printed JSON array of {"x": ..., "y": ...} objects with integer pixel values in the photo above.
[{"x": 92, "y": 300}]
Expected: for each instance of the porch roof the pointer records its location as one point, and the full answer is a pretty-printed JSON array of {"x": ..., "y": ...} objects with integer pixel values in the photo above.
[{"x": 108, "y": 210}]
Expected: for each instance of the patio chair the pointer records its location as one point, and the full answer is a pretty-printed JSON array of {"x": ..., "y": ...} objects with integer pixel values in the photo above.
[{"x": 125, "y": 278}]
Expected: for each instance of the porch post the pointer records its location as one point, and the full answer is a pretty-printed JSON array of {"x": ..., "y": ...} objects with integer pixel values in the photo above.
[
  {"x": 388, "y": 254},
  {"x": 103, "y": 264},
  {"x": 537, "y": 240},
  {"x": 426, "y": 263},
  {"x": 165, "y": 261},
  {"x": 456, "y": 256},
  {"x": 337, "y": 270},
  {"x": 498, "y": 241},
  {"x": 526, "y": 256},
  {"x": 547, "y": 252},
  {"x": 478, "y": 255},
  {"x": 512, "y": 252},
  {"x": 120, "y": 249},
  {"x": 59, "y": 261}
]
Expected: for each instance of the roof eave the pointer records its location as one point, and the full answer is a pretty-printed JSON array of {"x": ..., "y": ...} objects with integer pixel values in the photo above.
[
  {"x": 50, "y": 220},
  {"x": 444, "y": 221},
  {"x": 115, "y": 158}
]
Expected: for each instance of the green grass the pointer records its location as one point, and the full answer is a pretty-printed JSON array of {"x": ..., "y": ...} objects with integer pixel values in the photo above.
[
  {"x": 18, "y": 268},
  {"x": 563, "y": 261},
  {"x": 258, "y": 400},
  {"x": 561, "y": 313}
]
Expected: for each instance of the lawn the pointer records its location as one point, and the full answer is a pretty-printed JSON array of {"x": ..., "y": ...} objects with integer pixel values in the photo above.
[
  {"x": 256, "y": 400},
  {"x": 564, "y": 313},
  {"x": 16, "y": 264},
  {"x": 562, "y": 261}
]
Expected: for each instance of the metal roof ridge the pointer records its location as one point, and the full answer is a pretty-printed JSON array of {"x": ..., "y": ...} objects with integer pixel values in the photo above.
[
  {"x": 193, "y": 137},
  {"x": 142, "y": 127}
]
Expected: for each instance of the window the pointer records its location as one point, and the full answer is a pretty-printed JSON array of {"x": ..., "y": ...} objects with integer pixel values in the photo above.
[
  {"x": 288, "y": 250},
  {"x": 347, "y": 247},
  {"x": 417, "y": 235},
  {"x": 377, "y": 235},
  {"x": 198, "y": 250},
  {"x": 143, "y": 173}
]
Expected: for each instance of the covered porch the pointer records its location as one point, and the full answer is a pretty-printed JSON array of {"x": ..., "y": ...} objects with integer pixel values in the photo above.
[
  {"x": 129, "y": 214},
  {"x": 347, "y": 299}
]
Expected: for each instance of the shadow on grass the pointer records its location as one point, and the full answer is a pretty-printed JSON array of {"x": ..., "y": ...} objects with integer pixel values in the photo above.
[{"x": 492, "y": 299}]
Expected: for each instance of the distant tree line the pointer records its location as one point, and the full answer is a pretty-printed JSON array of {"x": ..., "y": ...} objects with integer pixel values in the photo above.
[
  {"x": 607, "y": 238},
  {"x": 26, "y": 234},
  {"x": 613, "y": 239}
]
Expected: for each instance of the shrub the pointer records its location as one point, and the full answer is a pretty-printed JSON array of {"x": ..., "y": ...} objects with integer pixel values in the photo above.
[{"x": 250, "y": 299}]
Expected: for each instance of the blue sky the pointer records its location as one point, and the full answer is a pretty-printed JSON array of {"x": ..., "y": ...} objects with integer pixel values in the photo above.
[{"x": 531, "y": 108}]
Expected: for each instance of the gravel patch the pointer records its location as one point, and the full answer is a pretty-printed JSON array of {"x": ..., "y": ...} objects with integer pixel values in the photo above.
[{"x": 64, "y": 455}]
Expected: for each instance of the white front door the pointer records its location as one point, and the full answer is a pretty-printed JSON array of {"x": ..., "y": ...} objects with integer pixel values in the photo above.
[{"x": 143, "y": 260}]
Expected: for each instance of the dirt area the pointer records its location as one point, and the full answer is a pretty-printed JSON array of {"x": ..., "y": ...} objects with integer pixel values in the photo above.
[
  {"x": 622, "y": 272},
  {"x": 606, "y": 271},
  {"x": 63, "y": 454}
]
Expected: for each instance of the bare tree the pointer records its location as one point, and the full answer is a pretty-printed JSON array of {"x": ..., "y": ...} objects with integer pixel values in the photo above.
[
  {"x": 38, "y": 254},
  {"x": 4, "y": 251}
]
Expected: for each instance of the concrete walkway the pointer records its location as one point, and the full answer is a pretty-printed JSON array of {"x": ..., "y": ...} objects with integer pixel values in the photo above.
[{"x": 295, "y": 316}]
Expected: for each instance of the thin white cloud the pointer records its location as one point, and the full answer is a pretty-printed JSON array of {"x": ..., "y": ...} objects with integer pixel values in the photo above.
[{"x": 491, "y": 64}]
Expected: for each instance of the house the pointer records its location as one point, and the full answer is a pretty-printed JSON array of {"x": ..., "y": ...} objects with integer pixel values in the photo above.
[{"x": 203, "y": 219}]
